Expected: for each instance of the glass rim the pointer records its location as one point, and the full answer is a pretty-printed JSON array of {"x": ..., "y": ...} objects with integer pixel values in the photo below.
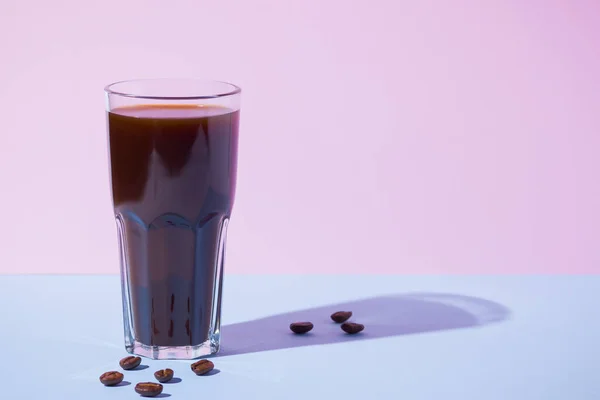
[{"x": 233, "y": 89}]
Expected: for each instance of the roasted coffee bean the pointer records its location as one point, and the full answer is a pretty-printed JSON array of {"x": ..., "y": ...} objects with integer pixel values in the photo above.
[
  {"x": 130, "y": 362},
  {"x": 164, "y": 375},
  {"x": 352, "y": 327},
  {"x": 148, "y": 389},
  {"x": 341, "y": 316},
  {"x": 301, "y": 327},
  {"x": 111, "y": 378},
  {"x": 202, "y": 367}
]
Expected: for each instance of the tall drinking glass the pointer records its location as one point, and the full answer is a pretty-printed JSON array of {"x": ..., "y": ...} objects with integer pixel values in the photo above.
[{"x": 173, "y": 158}]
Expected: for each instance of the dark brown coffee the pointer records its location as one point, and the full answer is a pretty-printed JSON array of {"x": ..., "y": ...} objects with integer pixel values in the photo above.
[
  {"x": 202, "y": 367},
  {"x": 148, "y": 389},
  {"x": 301, "y": 327},
  {"x": 111, "y": 378},
  {"x": 164, "y": 375},
  {"x": 341, "y": 316},
  {"x": 173, "y": 171},
  {"x": 130, "y": 362},
  {"x": 352, "y": 327}
]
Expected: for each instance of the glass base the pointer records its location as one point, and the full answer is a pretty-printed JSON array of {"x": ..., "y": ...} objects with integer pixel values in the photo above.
[{"x": 174, "y": 352}]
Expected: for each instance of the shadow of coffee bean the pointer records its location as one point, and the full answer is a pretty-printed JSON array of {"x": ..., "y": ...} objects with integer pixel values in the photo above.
[{"x": 212, "y": 372}]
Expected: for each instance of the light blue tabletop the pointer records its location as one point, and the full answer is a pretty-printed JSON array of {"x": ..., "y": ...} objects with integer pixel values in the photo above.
[{"x": 426, "y": 338}]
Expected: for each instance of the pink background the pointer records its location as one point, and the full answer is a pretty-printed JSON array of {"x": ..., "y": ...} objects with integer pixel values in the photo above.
[{"x": 377, "y": 136}]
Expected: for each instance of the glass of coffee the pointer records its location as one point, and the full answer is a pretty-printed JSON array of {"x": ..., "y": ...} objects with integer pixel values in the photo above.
[{"x": 173, "y": 147}]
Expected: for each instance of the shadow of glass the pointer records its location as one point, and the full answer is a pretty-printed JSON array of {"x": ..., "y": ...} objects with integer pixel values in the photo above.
[{"x": 383, "y": 316}]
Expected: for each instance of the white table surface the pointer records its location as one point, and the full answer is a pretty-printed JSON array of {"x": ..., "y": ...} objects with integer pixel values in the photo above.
[{"x": 426, "y": 338}]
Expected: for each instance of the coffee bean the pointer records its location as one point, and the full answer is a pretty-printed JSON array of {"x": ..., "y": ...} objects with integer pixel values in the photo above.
[
  {"x": 341, "y": 316},
  {"x": 301, "y": 327},
  {"x": 352, "y": 327},
  {"x": 148, "y": 389},
  {"x": 130, "y": 362},
  {"x": 111, "y": 378},
  {"x": 202, "y": 367},
  {"x": 164, "y": 375}
]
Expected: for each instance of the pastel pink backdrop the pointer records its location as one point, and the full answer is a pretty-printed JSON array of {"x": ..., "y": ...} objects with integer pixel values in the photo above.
[{"x": 377, "y": 136}]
